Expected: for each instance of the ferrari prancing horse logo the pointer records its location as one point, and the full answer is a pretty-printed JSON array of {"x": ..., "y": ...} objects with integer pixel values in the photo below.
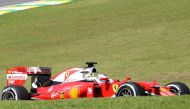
[
  {"x": 62, "y": 95},
  {"x": 115, "y": 87}
]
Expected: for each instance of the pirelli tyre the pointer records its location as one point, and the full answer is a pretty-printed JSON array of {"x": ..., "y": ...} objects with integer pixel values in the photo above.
[
  {"x": 14, "y": 93},
  {"x": 130, "y": 89},
  {"x": 178, "y": 88}
]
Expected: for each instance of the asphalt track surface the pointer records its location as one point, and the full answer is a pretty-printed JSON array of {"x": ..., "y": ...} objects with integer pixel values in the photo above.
[{"x": 12, "y": 2}]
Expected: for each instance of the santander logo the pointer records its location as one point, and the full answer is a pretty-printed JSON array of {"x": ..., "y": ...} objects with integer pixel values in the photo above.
[{"x": 17, "y": 76}]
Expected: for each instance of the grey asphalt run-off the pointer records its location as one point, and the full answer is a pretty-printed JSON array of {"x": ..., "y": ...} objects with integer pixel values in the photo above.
[{"x": 12, "y": 2}]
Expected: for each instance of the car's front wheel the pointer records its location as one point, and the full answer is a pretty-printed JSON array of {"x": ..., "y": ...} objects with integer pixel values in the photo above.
[
  {"x": 178, "y": 88},
  {"x": 130, "y": 89}
]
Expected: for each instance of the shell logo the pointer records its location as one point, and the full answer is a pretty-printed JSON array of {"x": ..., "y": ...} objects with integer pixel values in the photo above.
[
  {"x": 9, "y": 71},
  {"x": 74, "y": 92},
  {"x": 163, "y": 89}
]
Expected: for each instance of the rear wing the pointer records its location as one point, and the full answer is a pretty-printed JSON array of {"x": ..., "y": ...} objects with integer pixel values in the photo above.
[{"x": 18, "y": 75}]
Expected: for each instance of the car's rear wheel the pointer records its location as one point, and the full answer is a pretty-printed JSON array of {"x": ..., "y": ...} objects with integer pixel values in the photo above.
[
  {"x": 14, "y": 93},
  {"x": 130, "y": 89},
  {"x": 178, "y": 88}
]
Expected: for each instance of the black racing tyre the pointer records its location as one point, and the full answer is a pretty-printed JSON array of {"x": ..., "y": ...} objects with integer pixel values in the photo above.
[
  {"x": 178, "y": 88},
  {"x": 14, "y": 93},
  {"x": 130, "y": 89}
]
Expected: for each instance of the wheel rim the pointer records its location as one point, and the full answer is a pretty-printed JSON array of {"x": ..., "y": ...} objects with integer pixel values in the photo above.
[
  {"x": 174, "y": 90},
  {"x": 125, "y": 92},
  {"x": 8, "y": 95}
]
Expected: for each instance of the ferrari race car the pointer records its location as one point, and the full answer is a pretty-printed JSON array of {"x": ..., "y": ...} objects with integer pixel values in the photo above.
[{"x": 79, "y": 83}]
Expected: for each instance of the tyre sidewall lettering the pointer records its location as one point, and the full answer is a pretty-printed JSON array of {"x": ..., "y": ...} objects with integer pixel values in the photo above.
[
  {"x": 15, "y": 93},
  {"x": 11, "y": 90},
  {"x": 175, "y": 86},
  {"x": 130, "y": 87},
  {"x": 133, "y": 89},
  {"x": 6, "y": 89}
]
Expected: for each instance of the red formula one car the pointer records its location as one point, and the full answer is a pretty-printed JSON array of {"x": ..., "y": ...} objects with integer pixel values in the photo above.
[{"x": 79, "y": 83}]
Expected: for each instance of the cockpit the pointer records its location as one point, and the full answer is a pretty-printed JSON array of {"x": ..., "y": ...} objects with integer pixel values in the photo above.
[{"x": 88, "y": 73}]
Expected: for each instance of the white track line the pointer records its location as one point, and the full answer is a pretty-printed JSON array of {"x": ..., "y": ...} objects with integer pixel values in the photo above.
[{"x": 29, "y": 5}]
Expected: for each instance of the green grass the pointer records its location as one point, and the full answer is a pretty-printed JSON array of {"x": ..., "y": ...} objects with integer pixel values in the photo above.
[
  {"x": 147, "y": 39},
  {"x": 112, "y": 103}
]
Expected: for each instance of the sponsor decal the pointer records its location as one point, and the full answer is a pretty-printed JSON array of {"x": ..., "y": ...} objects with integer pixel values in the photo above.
[
  {"x": 115, "y": 87},
  {"x": 9, "y": 71},
  {"x": 74, "y": 92},
  {"x": 16, "y": 76},
  {"x": 89, "y": 90},
  {"x": 67, "y": 73},
  {"x": 11, "y": 82},
  {"x": 62, "y": 95},
  {"x": 54, "y": 94},
  {"x": 14, "y": 72},
  {"x": 163, "y": 89},
  {"x": 50, "y": 89},
  {"x": 34, "y": 69}
]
